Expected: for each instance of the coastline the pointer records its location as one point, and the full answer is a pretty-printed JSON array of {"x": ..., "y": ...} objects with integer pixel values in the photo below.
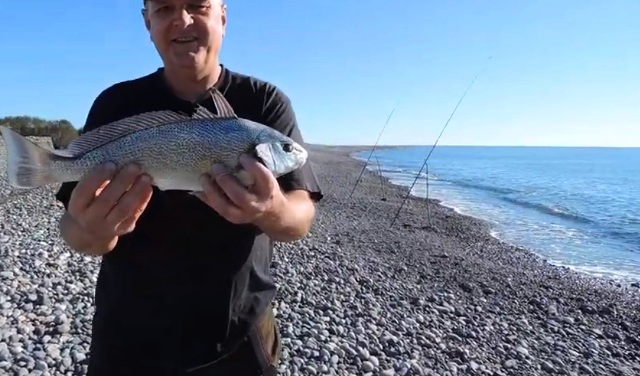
[
  {"x": 354, "y": 297},
  {"x": 498, "y": 231},
  {"x": 347, "y": 151},
  {"x": 454, "y": 296}
]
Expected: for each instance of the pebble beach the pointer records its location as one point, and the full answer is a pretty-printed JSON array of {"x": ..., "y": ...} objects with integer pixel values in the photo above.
[{"x": 435, "y": 294}]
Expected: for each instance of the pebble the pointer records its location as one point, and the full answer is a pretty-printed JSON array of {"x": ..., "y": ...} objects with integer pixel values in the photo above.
[
  {"x": 355, "y": 297},
  {"x": 367, "y": 366},
  {"x": 546, "y": 366},
  {"x": 510, "y": 363}
]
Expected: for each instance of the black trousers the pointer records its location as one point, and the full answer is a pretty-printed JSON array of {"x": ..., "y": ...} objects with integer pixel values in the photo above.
[{"x": 256, "y": 355}]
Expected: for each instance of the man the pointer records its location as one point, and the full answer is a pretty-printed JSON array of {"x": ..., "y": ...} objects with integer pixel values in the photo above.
[{"x": 184, "y": 285}]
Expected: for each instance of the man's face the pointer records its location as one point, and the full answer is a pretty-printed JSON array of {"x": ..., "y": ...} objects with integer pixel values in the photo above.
[{"x": 186, "y": 33}]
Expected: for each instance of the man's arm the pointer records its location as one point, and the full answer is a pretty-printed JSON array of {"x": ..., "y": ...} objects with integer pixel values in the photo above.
[
  {"x": 300, "y": 188},
  {"x": 294, "y": 219}
]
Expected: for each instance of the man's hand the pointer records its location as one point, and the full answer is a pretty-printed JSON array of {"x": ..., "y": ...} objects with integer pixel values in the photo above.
[
  {"x": 282, "y": 216},
  {"x": 104, "y": 206},
  {"x": 239, "y": 205}
]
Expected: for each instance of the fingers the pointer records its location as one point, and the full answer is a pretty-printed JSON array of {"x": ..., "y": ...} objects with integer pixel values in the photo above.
[
  {"x": 132, "y": 203},
  {"x": 224, "y": 193},
  {"x": 264, "y": 180},
  {"x": 84, "y": 192},
  {"x": 228, "y": 185},
  {"x": 128, "y": 224},
  {"x": 108, "y": 205},
  {"x": 215, "y": 197},
  {"x": 107, "y": 199}
]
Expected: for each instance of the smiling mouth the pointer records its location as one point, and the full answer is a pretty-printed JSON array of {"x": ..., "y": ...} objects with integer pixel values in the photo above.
[{"x": 185, "y": 40}]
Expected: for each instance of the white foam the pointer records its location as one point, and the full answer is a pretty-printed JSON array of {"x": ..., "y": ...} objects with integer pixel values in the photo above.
[
  {"x": 446, "y": 194},
  {"x": 600, "y": 271}
]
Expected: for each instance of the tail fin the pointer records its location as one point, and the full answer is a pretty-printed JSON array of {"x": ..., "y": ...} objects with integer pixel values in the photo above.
[{"x": 28, "y": 164}]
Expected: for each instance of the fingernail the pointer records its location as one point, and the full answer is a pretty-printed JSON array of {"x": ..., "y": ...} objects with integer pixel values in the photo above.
[
  {"x": 146, "y": 179},
  {"x": 218, "y": 169},
  {"x": 133, "y": 168},
  {"x": 109, "y": 166}
]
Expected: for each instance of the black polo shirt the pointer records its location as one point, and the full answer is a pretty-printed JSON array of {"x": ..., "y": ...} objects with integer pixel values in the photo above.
[{"x": 186, "y": 279}]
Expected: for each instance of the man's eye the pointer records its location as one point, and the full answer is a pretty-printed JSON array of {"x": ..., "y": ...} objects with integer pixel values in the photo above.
[
  {"x": 195, "y": 7},
  {"x": 198, "y": 7},
  {"x": 162, "y": 9}
]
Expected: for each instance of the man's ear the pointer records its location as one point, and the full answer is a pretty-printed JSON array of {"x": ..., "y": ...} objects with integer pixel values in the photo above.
[
  {"x": 223, "y": 14},
  {"x": 145, "y": 17}
]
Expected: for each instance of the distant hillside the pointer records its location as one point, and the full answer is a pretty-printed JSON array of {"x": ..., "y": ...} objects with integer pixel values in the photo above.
[{"x": 61, "y": 132}]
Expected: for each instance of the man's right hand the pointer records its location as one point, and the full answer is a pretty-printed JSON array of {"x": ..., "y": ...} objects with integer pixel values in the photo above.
[{"x": 104, "y": 205}]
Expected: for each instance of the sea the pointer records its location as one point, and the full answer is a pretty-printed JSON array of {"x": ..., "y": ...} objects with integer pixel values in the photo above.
[{"x": 575, "y": 207}]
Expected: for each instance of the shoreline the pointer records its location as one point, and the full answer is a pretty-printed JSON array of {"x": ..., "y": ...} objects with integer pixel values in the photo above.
[
  {"x": 617, "y": 278},
  {"x": 457, "y": 298},
  {"x": 354, "y": 297}
]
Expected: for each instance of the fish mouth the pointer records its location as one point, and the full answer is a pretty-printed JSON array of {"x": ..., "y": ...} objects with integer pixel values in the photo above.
[{"x": 255, "y": 153}]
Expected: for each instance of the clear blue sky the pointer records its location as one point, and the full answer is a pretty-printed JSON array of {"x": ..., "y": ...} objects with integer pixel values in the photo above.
[{"x": 563, "y": 72}]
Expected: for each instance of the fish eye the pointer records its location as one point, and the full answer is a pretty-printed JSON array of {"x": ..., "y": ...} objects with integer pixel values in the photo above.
[{"x": 288, "y": 148}]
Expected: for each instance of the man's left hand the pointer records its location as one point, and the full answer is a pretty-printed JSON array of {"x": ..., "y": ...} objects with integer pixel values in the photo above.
[{"x": 240, "y": 205}]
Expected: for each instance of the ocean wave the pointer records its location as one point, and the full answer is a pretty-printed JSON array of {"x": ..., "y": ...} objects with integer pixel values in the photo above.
[
  {"x": 399, "y": 172},
  {"x": 630, "y": 220},
  {"x": 506, "y": 194},
  {"x": 588, "y": 224},
  {"x": 620, "y": 272},
  {"x": 483, "y": 187},
  {"x": 553, "y": 210},
  {"x": 628, "y": 236},
  {"x": 374, "y": 167}
]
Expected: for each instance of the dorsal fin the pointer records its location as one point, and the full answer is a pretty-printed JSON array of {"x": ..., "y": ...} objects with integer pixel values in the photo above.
[
  {"x": 117, "y": 129},
  {"x": 222, "y": 105},
  {"x": 120, "y": 128}
]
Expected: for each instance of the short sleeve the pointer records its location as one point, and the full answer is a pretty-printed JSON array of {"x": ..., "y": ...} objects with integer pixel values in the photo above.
[
  {"x": 278, "y": 113},
  {"x": 99, "y": 114}
]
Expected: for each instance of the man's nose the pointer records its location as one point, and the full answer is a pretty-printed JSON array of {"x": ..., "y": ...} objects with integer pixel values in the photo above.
[{"x": 182, "y": 18}]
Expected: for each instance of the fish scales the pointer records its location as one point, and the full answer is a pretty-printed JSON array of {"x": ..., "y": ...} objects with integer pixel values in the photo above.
[
  {"x": 175, "y": 150},
  {"x": 174, "y": 154}
]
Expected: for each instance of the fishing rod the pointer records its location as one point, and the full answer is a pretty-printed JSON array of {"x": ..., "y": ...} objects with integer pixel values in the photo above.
[
  {"x": 426, "y": 160},
  {"x": 370, "y": 154}
]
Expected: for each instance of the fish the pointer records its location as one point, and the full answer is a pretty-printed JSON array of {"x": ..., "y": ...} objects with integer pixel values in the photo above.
[{"x": 173, "y": 148}]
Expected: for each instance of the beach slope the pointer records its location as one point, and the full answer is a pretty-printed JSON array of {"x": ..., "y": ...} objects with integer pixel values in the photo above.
[
  {"x": 356, "y": 297},
  {"x": 437, "y": 294}
]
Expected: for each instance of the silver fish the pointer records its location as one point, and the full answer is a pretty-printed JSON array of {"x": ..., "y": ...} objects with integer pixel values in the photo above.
[{"x": 174, "y": 149}]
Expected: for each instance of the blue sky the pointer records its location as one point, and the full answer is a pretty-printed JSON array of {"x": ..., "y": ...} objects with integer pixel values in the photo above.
[{"x": 562, "y": 73}]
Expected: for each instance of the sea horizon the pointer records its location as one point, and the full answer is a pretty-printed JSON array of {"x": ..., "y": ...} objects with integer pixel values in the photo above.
[{"x": 393, "y": 146}]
